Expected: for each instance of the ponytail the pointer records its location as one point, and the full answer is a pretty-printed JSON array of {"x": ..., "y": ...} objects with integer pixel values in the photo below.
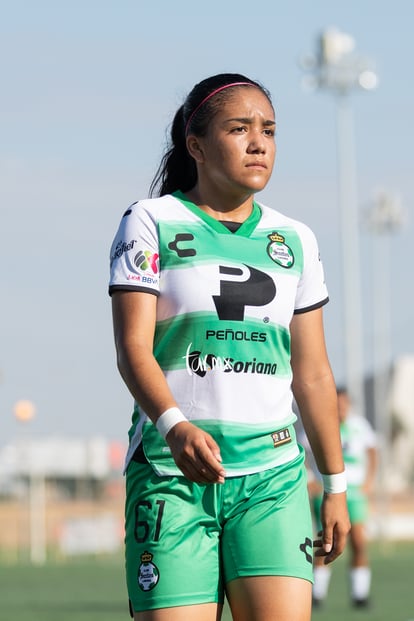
[{"x": 177, "y": 170}]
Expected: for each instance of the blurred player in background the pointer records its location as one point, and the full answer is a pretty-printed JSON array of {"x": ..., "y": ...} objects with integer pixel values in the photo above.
[{"x": 360, "y": 456}]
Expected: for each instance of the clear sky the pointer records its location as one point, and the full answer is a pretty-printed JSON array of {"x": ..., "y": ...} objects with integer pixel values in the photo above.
[{"x": 88, "y": 88}]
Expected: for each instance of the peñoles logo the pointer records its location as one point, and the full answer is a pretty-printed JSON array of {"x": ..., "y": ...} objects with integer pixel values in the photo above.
[{"x": 199, "y": 364}]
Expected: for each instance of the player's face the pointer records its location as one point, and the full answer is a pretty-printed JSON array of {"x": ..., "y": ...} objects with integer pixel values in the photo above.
[{"x": 239, "y": 148}]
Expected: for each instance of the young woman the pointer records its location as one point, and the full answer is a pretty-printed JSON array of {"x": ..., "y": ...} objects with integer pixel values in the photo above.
[{"x": 217, "y": 308}]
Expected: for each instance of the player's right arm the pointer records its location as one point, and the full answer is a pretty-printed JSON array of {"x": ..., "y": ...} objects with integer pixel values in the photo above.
[{"x": 194, "y": 451}]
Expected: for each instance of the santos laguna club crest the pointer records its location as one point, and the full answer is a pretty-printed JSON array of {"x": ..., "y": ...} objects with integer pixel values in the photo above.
[
  {"x": 148, "y": 573},
  {"x": 280, "y": 252}
]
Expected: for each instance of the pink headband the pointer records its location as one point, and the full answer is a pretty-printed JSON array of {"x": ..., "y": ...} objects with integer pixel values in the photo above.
[{"x": 220, "y": 88}]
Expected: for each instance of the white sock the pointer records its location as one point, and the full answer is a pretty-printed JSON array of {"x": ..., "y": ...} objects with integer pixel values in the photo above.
[
  {"x": 360, "y": 582},
  {"x": 321, "y": 576}
]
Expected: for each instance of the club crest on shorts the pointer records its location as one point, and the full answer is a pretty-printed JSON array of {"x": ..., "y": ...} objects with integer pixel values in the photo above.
[
  {"x": 148, "y": 573},
  {"x": 280, "y": 252}
]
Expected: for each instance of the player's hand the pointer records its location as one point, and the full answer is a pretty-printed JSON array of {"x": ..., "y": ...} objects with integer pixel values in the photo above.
[
  {"x": 335, "y": 527},
  {"x": 195, "y": 453}
]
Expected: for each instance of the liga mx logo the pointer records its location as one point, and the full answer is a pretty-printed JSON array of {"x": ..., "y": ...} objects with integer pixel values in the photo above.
[
  {"x": 148, "y": 573},
  {"x": 280, "y": 252}
]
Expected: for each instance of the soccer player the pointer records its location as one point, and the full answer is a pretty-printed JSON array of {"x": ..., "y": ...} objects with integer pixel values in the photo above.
[
  {"x": 217, "y": 310},
  {"x": 360, "y": 455}
]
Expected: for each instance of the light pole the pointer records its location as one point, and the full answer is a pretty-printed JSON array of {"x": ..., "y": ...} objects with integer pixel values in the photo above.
[
  {"x": 338, "y": 69},
  {"x": 384, "y": 218},
  {"x": 24, "y": 412}
]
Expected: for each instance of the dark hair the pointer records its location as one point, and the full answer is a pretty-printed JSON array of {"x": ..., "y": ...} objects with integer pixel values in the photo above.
[{"x": 177, "y": 170}]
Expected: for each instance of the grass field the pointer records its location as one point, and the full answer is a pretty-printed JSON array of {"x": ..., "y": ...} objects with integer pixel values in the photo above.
[{"x": 93, "y": 590}]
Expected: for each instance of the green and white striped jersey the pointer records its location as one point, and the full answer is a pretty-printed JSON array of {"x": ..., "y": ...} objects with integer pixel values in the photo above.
[{"x": 222, "y": 328}]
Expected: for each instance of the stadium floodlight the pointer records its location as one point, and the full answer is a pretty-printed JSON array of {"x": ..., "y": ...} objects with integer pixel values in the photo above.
[
  {"x": 338, "y": 69},
  {"x": 24, "y": 410}
]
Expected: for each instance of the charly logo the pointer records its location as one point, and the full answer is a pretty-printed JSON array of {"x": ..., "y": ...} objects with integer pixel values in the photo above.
[
  {"x": 148, "y": 573},
  {"x": 304, "y": 548},
  {"x": 279, "y": 251},
  {"x": 181, "y": 251}
]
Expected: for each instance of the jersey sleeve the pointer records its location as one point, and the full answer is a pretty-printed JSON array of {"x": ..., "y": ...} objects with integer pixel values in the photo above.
[
  {"x": 312, "y": 291},
  {"x": 134, "y": 255}
]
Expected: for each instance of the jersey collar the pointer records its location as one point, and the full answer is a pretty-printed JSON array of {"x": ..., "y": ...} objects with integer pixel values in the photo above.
[{"x": 245, "y": 230}]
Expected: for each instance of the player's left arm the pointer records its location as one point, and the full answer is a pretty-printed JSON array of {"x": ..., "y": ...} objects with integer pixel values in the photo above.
[{"x": 314, "y": 389}]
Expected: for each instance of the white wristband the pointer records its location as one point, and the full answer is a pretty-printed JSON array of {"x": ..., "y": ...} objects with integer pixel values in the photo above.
[
  {"x": 334, "y": 483},
  {"x": 168, "y": 419}
]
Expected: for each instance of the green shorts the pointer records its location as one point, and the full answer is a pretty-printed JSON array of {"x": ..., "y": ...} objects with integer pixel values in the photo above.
[
  {"x": 357, "y": 504},
  {"x": 185, "y": 541}
]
